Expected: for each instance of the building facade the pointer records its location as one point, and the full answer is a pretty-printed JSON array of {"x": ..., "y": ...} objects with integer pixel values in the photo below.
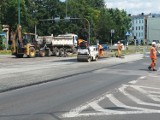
[
  {"x": 146, "y": 28},
  {"x": 153, "y": 29},
  {"x": 139, "y": 27}
]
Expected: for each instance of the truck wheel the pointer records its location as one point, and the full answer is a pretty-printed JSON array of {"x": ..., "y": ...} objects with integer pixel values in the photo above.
[
  {"x": 57, "y": 52},
  {"x": 89, "y": 59},
  {"x": 74, "y": 50},
  {"x": 47, "y": 51},
  {"x": 42, "y": 53},
  {"x": 32, "y": 52},
  {"x": 19, "y": 55},
  {"x": 62, "y": 52}
]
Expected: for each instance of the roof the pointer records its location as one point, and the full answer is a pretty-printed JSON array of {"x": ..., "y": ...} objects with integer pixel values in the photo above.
[{"x": 140, "y": 16}]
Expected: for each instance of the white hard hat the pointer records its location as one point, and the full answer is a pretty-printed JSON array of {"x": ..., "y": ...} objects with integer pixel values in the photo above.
[{"x": 153, "y": 43}]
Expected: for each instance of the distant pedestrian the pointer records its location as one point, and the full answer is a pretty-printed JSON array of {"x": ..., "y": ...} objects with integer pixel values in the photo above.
[
  {"x": 119, "y": 47},
  {"x": 153, "y": 56}
]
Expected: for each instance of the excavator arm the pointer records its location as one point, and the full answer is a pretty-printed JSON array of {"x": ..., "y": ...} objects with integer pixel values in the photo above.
[{"x": 16, "y": 39}]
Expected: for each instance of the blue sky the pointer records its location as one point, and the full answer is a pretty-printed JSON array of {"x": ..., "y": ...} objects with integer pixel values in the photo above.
[{"x": 135, "y": 6}]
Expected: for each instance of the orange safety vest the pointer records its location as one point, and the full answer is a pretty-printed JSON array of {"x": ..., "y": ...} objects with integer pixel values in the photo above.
[
  {"x": 119, "y": 47},
  {"x": 100, "y": 47},
  {"x": 153, "y": 53}
]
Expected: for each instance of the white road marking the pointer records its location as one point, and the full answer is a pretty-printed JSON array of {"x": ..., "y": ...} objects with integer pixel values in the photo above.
[
  {"x": 154, "y": 92},
  {"x": 136, "y": 100},
  {"x": 142, "y": 77},
  {"x": 97, "y": 107},
  {"x": 147, "y": 93},
  {"x": 120, "y": 104},
  {"x": 75, "y": 112},
  {"x": 100, "y": 111},
  {"x": 133, "y": 82},
  {"x": 149, "y": 87}
]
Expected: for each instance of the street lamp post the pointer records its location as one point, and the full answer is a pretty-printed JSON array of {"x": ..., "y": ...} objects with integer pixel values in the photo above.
[
  {"x": 0, "y": 18},
  {"x": 19, "y": 12},
  {"x": 112, "y": 32},
  {"x": 66, "y": 7}
]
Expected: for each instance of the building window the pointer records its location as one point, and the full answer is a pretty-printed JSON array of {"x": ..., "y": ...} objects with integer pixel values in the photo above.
[
  {"x": 142, "y": 34},
  {"x": 139, "y": 28},
  {"x": 142, "y": 28}
]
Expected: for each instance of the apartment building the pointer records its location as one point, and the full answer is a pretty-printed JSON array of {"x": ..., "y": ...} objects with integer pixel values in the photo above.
[
  {"x": 139, "y": 27},
  {"x": 153, "y": 29}
]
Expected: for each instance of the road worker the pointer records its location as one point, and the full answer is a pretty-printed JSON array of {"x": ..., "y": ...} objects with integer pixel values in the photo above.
[
  {"x": 153, "y": 56},
  {"x": 80, "y": 41},
  {"x": 119, "y": 47},
  {"x": 100, "y": 50}
]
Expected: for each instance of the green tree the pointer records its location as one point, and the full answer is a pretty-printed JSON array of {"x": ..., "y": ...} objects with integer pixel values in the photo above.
[{"x": 101, "y": 19}]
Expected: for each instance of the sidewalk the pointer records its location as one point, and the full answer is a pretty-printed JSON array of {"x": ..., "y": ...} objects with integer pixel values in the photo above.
[{"x": 18, "y": 76}]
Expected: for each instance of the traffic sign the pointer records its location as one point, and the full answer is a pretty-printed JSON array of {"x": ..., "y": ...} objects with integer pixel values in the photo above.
[{"x": 112, "y": 31}]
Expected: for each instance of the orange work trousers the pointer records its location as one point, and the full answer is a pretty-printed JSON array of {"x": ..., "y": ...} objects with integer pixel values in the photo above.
[
  {"x": 119, "y": 53},
  {"x": 153, "y": 64},
  {"x": 101, "y": 53}
]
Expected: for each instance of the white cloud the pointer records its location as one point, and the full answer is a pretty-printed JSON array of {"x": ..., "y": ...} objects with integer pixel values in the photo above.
[{"x": 135, "y": 6}]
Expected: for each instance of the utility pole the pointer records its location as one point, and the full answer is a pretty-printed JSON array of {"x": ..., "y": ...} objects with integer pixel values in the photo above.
[
  {"x": 19, "y": 21},
  {"x": 66, "y": 7},
  {"x": 0, "y": 19}
]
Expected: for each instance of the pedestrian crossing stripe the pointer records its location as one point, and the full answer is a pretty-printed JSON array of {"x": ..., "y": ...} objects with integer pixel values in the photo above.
[{"x": 100, "y": 111}]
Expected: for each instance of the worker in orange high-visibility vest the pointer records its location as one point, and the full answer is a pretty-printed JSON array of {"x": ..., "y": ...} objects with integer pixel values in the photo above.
[
  {"x": 119, "y": 47},
  {"x": 153, "y": 56},
  {"x": 100, "y": 50}
]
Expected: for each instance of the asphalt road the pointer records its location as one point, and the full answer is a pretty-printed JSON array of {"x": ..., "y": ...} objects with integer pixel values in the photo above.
[{"x": 103, "y": 93}]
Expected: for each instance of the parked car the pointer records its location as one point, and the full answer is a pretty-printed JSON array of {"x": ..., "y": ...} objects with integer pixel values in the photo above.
[{"x": 105, "y": 46}]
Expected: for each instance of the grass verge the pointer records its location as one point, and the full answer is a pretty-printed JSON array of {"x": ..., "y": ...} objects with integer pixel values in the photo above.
[{"x": 5, "y": 52}]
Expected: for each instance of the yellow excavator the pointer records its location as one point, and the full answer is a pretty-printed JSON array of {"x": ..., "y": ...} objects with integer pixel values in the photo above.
[{"x": 23, "y": 44}]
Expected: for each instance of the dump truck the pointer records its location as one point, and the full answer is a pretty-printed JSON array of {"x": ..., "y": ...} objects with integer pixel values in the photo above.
[{"x": 58, "y": 46}]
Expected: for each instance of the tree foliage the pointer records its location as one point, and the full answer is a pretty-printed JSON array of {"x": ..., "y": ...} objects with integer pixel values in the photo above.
[{"x": 101, "y": 20}]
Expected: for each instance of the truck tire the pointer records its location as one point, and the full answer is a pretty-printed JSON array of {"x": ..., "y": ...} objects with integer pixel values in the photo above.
[
  {"x": 61, "y": 52},
  {"x": 47, "y": 52},
  {"x": 32, "y": 52},
  {"x": 42, "y": 53},
  {"x": 19, "y": 55},
  {"x": 74, "y": 50},
  {"x": 57, "y": 52}
]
